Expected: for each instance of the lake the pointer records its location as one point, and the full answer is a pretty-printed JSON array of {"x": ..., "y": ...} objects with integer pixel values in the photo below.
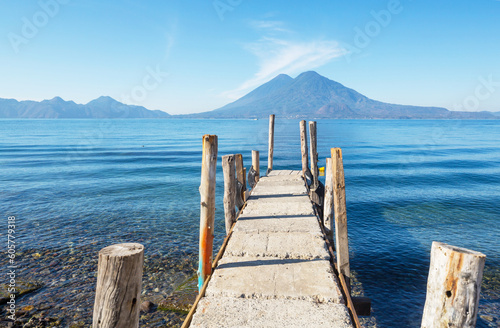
[{"x": 76, "y": 186}]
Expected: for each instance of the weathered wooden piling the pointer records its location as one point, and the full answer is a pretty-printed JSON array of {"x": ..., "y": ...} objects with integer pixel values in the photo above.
[
  {"x": 118, "y": 291},
  {"x": 303, "y": 147},
  {"x": 241, "y": 181},
  {"x": 328, "y": 200},
  {"x": 271, "y": 144},
  {"x": 340, "y": 212},
  {"x": 316, "y": 191},
  {"x": 256, "y": 164},
  {"x": 246, "y": 192},
  {"x": 229, "y": 170},
  {"x": 207, "y": 206},
  {"x": 314, "y": 154},
  {"x": 453, "y": 287}
]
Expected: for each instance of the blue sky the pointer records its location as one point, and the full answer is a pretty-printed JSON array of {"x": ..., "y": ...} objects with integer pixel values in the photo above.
[{"x": 192, "y": 56}]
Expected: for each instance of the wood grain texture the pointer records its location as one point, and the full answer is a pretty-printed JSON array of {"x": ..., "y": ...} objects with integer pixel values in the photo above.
[
  {"x": 328, "y": 201},
  {"x": 271, "y": 143},
  {"x": 241, "y": 178},
  {"x": 453, "y": 287},
  {"x": 256, "y": 164},
  {"x": 118, "y": 291},
  {"x": 314, "y": 154},
  {"x": 303, "y": 146},
  {"x": 340, "y": 213},
  {"x": 207, "y": 206},
  {"x": 229, "y": 170}
]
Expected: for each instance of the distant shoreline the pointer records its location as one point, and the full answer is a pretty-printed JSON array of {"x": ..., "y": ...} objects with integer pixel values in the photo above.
[{"x": 183, "y": 117}]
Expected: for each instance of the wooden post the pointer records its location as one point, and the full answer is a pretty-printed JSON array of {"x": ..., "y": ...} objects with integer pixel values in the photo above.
[
  {"x": 118, "y": 291},
  {"x": 241, "y": 180},
  {"x": 314, "y": 154},
  {"x": 453, "y": 287},
  {"x": 229, "y": 169},
  {"x": 207, "y": 206},
  {"x": 339, "y": 205},
  {"x": 244, "y": 180},
  {"x": 245, "y": 192},
  {"x": 271, "y": 144},
  {"x": 303, "y": 147},
  {"x": 328, "y": 208},
  {"x": 256, "y": 164}
]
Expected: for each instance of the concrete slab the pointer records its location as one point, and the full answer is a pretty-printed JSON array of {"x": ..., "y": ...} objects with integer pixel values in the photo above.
[
  {"x": 283, "y": 245},
  {"x": 279, "y": 189},
  {"x": 281, "y": 206},
  {"x": 290, "y": 178},
  {"x": 279, "y": 199},
  {"x": 239, "y": 312},
  {"x": 274, "y": 173},
  {"x": 280, "y": 184},
  {"x": 273, "y": 278},
  {"x": 291, "y": 223}
]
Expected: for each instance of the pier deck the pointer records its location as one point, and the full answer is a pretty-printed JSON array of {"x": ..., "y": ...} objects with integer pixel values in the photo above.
[{"x": 275, "y": 271}]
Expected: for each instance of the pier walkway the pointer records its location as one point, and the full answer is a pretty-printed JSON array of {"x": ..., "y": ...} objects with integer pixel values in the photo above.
[{"x": 275, "y": 270}]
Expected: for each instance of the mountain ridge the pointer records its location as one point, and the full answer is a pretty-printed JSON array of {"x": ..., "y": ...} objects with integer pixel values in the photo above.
[
  {"x": 102, "y": 107},
  {"x": 311, "y": 95}
]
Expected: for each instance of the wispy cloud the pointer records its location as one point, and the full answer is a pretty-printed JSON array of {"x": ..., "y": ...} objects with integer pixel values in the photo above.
[
  {"x": 277, "y": 55},
  {"x": 269, "y": 25}
]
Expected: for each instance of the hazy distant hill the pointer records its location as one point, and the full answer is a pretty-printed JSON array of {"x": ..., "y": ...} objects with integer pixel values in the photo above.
[
  {"x": 311, "y": 95},
  {"x": 102, "y": 107}
]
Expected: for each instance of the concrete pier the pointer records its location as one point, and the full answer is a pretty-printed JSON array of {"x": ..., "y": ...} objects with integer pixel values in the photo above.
[{"x": 275, "y": 271}]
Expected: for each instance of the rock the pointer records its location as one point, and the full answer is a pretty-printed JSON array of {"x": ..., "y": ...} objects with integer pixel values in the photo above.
[
  {"x": 146, "y": 306},
  {"x": 487, "y": 318},
  {"x": 22, "y": 288}
]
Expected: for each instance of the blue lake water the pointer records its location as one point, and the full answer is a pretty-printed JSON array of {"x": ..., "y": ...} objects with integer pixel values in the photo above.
[{"x": 76, "y": 186}]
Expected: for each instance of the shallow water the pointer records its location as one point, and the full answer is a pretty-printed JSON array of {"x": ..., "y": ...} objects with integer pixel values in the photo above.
[{"x": 76, "y": 186}]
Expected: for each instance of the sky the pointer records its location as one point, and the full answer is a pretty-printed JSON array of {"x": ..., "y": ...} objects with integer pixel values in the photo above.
[{"x": 194, "y": 56}]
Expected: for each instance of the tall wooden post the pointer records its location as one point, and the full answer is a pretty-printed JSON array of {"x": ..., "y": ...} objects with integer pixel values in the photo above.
[
  {"x": 256, "y": 164},
  {"x": 271, "y": 144},
  {"x": 340, "y": 211},
  {"x": 453, "y": 287},
  {"x": 207, "y": 208},
  {"x": 245, "y": 191},
  {"x": 229, "y": 169},
  {"x": 241, "y": 180},
  {"x": 328, "y": 204},
  {"x": 315, "y": 193},
  {"x": 118, "y": 291},
  {"x": 303, "y": 146},
  {"x": 314, "y": 154}
]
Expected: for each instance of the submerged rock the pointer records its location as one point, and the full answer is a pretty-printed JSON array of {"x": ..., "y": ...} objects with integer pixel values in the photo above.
[
  {"x": 147, "y": 306},
  {"x": 21, "y": 288}
]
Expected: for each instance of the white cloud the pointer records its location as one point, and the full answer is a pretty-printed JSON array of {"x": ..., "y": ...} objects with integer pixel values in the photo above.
[
  {"x": 279, "y": 55},
  {"x": 269, "y": 26}
]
